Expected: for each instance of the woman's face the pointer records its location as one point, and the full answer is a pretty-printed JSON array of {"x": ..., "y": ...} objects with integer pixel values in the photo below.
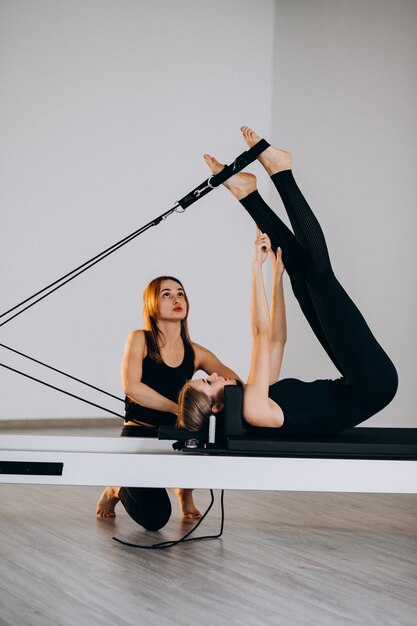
[
  {"x": 213, "y": 386},
  {"x": 172, "y": 305}
]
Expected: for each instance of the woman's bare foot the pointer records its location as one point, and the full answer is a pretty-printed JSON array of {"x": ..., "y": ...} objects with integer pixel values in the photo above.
[
  {"x": 240, "y": 185},
  {"x": 187, "y": 506},
  {"x": 274, "y": 160},
  {"x": 108, "y": 500}
]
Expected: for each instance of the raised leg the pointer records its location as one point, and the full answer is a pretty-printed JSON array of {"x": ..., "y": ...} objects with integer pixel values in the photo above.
[
  {"x": 243, "y": 187},
  {"x": 307, "y": 230},
  {"x": 369, "y": 373},
  {"x": 294, "y": 262}
]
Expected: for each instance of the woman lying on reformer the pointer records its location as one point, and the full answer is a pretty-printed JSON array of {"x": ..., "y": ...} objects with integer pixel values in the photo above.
[{"x": 369, "y": 380}]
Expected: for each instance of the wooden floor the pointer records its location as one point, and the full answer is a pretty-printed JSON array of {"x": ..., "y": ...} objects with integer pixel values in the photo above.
[{"x": 286, "y": 559}]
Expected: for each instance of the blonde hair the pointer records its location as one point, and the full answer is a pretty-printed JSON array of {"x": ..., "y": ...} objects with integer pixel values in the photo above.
[
  {"x": 154, "y": 336},
  {"x": 194, "y": 408}
]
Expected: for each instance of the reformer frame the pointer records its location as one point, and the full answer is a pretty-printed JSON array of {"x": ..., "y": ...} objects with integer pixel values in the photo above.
[{"x": 151, "y": 463}]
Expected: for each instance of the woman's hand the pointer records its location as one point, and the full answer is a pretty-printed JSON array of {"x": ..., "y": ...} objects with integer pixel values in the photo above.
[
  {"x": 276, "y": 262},
  {"x": 262, "y": 247}
]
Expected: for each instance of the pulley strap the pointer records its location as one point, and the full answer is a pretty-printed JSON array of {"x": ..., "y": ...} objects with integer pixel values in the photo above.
[{"x": 228, "y": 171}]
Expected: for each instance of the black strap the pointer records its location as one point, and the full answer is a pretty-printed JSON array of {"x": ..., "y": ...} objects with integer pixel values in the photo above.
[{"x": 242, "y": 161}]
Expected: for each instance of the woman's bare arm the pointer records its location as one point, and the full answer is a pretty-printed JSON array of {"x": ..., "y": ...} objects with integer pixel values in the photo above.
[
  {"x": 278, "y": 316},
  {"x": 135, "y": 351},
  {"x": 258, "y": 408}
]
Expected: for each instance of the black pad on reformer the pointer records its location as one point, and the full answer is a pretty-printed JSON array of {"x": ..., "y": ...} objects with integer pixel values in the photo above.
[{"x": 356, "y": 443}]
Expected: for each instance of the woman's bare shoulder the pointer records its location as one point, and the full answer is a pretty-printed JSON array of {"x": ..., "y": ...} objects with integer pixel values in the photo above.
[
  {"x": 201, "y": 352},
  {"x": 137, "y": 333},
  {"x": 136, "y": 340}
]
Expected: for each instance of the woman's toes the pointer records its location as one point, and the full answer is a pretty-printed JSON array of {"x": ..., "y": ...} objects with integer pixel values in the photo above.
[
  {"x": 213, "y": 164},
  {"x": 250, "y": 136}
]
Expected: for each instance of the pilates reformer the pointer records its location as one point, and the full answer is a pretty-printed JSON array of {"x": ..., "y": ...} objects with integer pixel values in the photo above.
[
  {"x": 373, "y": 460},
  {"x": 379, "y": 460}
]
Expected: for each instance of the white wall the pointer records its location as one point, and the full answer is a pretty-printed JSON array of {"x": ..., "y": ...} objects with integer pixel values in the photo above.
[
  {"x": 106, "y": 110},
  {"x": 345, "y": 102}
]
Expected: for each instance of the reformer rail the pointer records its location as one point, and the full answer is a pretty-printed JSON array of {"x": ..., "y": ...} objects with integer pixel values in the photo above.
[{"x": 153, "y": 463}]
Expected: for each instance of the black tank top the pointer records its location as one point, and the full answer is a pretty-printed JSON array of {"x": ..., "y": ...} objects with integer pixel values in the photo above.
[
  {"x": 308, "y": 407},
  {"x": 168, "y": 381}
]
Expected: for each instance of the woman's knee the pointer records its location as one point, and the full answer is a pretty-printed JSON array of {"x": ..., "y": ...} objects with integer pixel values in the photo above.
[
  {"x": 390, "y": 384},
  {"x": 150, "y": 508},
  {"x": 156, "y": 519},
  {"x": 383, "y": 388}
]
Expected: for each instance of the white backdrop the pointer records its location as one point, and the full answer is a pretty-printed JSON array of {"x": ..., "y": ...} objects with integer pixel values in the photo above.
[
  {"x": 345, "y": 102},
  {"x": 107, "y": 108}
]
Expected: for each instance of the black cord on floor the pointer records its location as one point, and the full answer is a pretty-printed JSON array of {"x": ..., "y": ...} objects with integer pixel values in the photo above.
[{"x": 169, "y": 544}]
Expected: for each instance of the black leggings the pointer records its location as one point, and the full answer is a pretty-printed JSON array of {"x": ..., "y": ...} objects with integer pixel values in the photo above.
[
  {"x": 150, "y": 507},
  {"x": 369, "y": 378}
]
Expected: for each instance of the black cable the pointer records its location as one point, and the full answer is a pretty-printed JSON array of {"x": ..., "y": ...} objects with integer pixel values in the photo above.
[
  {"x": 55, "y": 369},
  {"x": 169, "y": 544},
  {"x": 208, "y": 185},
  {"x": 81, "y": 269},
  {"x": 67, "y": 393}
]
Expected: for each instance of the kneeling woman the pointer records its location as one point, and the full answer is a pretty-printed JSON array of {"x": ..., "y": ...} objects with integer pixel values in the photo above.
[
  {"x": 369, "y": 379},
  {"x": 156, "y": 364}
]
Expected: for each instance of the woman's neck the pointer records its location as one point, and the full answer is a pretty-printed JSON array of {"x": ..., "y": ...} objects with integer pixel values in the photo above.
[{"x": 171, "y": 333}]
